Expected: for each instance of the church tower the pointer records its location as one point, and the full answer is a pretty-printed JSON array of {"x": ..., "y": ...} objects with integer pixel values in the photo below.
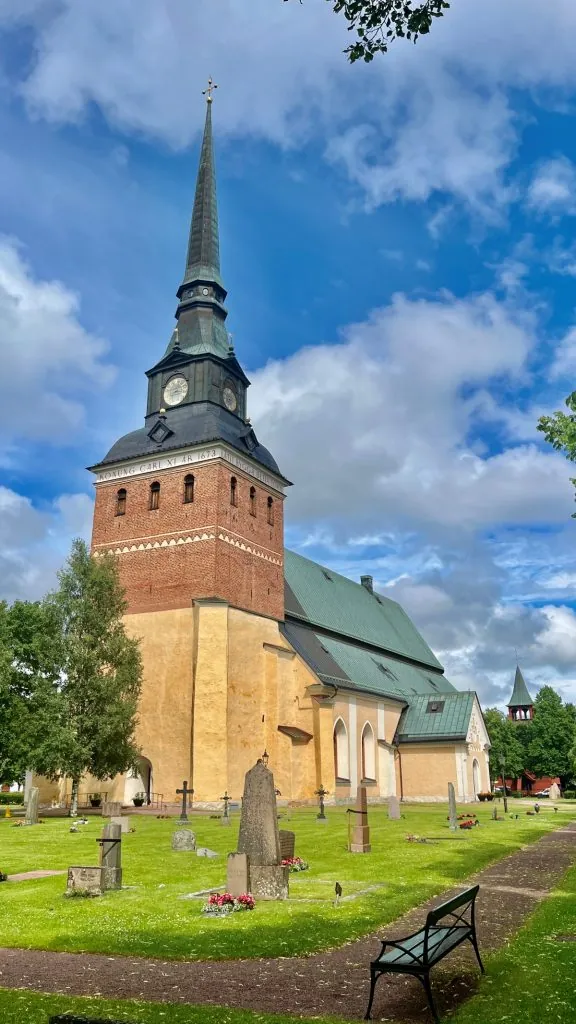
[
  {"x": 520, "y": 706},
  {"x": 191, "y": 503}
]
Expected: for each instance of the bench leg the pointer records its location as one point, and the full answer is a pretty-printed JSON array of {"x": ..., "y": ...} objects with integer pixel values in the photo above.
[
  {"x": 474, "y": 942},
  {"x": 425, "y": 979},
  {"x": 373, "y": 979}
]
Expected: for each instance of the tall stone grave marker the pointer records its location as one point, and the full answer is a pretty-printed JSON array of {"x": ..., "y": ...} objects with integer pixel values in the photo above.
[
  {"x": 111, "y": 856},
  {"x": 394, "y": 808},
  {"x": 259, "y": 838},
  {"x": 360, "y": 839},
  {"x": 554, "y": 793},
  {"x": 452, "y": 808},
  {"x": 32, "y": 806},
  {"x": 121, "y": 819}
]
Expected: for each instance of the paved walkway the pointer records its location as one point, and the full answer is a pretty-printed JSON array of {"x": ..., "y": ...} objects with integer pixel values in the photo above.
[{"x": 334, "y": 983}]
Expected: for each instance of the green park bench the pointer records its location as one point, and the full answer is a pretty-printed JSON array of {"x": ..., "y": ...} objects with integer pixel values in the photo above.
[{"x": 446, "y": 928}]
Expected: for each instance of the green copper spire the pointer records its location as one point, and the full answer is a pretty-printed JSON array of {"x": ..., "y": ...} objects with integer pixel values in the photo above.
[
  {"x": 201, "y": 314},
  {"x": 520, "y": 697}
]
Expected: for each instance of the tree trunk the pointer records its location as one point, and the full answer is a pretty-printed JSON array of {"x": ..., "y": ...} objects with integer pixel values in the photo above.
[{"x": 74, "y": 807}]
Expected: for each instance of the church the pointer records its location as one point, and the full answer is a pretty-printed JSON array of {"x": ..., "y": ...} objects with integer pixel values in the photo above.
[{"x": 248, "y": 649}]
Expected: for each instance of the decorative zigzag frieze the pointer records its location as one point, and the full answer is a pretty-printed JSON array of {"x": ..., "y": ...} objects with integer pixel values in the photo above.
[{"x": 127, "y": 549}]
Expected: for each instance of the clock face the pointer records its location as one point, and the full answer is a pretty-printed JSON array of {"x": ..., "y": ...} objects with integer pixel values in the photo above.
[
  {"x": 175, "y": 390},
  {"x": 230, "y": 400},
  {"x": 204, "y": 291}
]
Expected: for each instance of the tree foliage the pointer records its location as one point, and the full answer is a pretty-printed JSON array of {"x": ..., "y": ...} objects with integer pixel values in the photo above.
[
  {"x": 377, "y": 23},
  {"x": 100, "y": 674},
  {"x": 505, "y": 743},
  {"x": 552, "y": 736},
  {"x": 560, "y": 431}
]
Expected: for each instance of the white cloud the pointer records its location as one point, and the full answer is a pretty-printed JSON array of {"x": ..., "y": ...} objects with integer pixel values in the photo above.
[
  {"x": 49, "y": 361},
  {"x": 435, "y": 117},
  {"x": 34, "y": 541},
  {"x": 553, "y": 188}
]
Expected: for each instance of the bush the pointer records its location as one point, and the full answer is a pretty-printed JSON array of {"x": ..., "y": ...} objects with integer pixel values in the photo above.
[
  {"x": 569, "y": 794},
  {"x": 11, "y": 798}
]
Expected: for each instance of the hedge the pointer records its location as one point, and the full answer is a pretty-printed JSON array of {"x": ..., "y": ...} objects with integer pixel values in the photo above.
[{"x": 11, "y": 798}]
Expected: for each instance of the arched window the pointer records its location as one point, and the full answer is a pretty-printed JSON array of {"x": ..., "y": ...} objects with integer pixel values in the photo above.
[
  {"x": 154, "y": 496},
  {"x": 188, "y": 488},
  {"x": 368, "y": 753},
  {"x": 233, "y": 490},
  {"x": 270, "y": 512},
  {"x": 121, "y": 502},
  {"x": 252, "y": 501},
  {"x": 476, "y": 777},
  {"x": 341, "y": 754}
]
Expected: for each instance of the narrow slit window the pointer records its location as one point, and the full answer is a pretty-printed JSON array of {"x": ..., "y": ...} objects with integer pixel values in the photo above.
[
  {"x": 252, "y": 501},
  {"x": 154, "y": 496},
  {"x": 270, "y": 504},
  {"x": 233, "y": 491},
  {"x": 121, "y": 502},
  {"x": 188, "y": 489}
]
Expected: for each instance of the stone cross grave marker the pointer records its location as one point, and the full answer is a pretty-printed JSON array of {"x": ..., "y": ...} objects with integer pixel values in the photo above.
[
  {"x": 111, "y": 856},
  {"x": 82, "y": 879},
  {"x": 321, "y": 816},
  {"x": 184, "y": 793},
  {"x": 360, "y": 839},
  {"x": 259, "y": 838},
  {"x": 394, "y": 808},
  {"x": 183, "y": 839},
  {"x": 225, "y": 819},
  {"x": 452, "y": 808},
  {"x": 32, "y": 806}
]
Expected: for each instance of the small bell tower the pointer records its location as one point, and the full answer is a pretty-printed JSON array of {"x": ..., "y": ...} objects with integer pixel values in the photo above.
[{"x": 520, "y": 706}]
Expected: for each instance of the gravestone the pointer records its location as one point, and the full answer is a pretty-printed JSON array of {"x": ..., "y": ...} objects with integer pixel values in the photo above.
[
  {"x": 554, "y": 793},
  {"x": 83, "y": 879},
  {"x": 203, "y": 851},
  {"x": 259, "y": 838},
  {"x": 394, "y": 808},
  {"x": 123, "y": 820},
  {"x": 287, "y": 844},
  {"x": 184, "y": 839},
  {"x": 32, "y": 806},
  {"x": 111, "y": 856},
  {"x": 452, "y": 808},
  {"x": 184, "y": 793},
  {"x": 360, "y": 840},
  {"x": 112, "y": 808},
  {"x": 238, "y": 874}
]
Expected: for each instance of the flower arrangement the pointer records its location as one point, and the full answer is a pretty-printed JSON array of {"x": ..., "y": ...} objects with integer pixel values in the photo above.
[
  {"x": 295, "y": 864},
  {"x": 468, "y": 822},
  {"x": 222, "y": 904}
]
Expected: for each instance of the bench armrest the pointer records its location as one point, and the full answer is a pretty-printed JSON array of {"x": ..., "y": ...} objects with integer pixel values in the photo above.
[{"x": 397, "y": 944}]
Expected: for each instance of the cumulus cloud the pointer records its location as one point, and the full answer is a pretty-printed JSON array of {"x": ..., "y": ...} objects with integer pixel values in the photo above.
[
  {"x": 553, "y": 189},
  {"x": 48, "y": 358},
  {"x": 436, "y": 117},
  {"x": 34, "y": 541}
]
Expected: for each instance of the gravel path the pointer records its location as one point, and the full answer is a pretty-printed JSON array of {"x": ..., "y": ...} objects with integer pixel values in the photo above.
[{"x": 334, "y": 983}]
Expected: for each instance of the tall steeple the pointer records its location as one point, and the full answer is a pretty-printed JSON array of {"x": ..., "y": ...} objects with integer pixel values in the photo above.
[{"x": 201, "y": 314}]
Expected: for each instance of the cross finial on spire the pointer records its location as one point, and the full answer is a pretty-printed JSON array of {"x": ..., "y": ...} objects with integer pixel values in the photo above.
[{"x": 208, "y": 92}]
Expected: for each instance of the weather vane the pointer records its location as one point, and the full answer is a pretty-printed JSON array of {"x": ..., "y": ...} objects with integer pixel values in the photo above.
[{"x": 208, "y": 92}]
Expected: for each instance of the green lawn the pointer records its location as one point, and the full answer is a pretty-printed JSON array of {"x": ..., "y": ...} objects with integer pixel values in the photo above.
[
  {"x": 532, "y": 979},
  {"x": 150, "y": 920},
  {"x": 20, "y": 1007}
]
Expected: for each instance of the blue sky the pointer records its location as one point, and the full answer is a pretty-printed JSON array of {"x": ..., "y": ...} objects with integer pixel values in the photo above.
[{"x": 398, "y": 247}]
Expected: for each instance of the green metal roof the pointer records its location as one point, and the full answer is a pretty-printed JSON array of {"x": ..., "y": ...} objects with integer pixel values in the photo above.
[
  {"x": 386, "y": 675},
  {"x": 203, "y": 256},
  {"x": 323, "y": 598},
  {"x": 520, "y": 697},
  {"x": 421, "y": 722}
]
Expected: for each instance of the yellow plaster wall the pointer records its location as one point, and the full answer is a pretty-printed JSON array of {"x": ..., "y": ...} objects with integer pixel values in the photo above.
[
  {"x": 480, "y": 756},
  {"x": 210, "y": 748},
  {"x": 427, "y": 768}
]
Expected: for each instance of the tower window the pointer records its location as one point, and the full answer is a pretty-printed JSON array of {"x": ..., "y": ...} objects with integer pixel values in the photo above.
[
  {"x": 188, "y": 489},
  {"x": 252, "y": 501},
  {"x": 121, "y": 502},
  {"x": 233, "y": 491},
  {"x": 270, "y": 512},
  {"x": 154, "y": 496}
]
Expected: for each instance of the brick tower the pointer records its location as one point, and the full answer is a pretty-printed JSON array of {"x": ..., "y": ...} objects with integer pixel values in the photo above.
[{"x": 191, "y": 503}]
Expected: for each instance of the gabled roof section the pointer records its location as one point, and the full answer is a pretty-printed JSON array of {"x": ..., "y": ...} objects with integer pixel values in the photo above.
[
  {"x": 349, "y": 665},
  {"x": 520, "y": 697},
  {"x": 436, "y": 717},
  {"x": 320, "y": 597}
]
